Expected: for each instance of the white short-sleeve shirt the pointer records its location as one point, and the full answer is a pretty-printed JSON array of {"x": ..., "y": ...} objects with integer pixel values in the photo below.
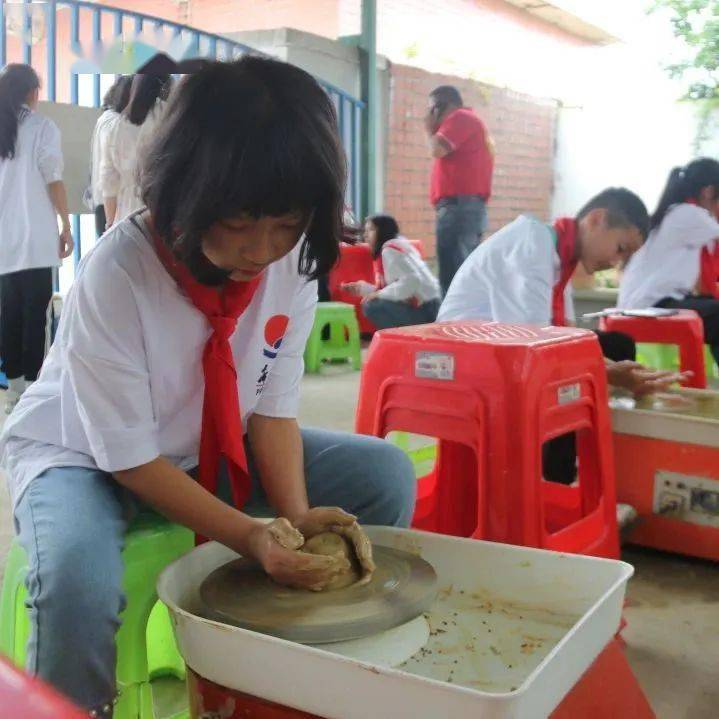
[
  {"x": 668, "y": 264},
  {"x": 510, "y": 277},
  {"x": 29, "y": 236},
  {"x": 123, "y": 382}
]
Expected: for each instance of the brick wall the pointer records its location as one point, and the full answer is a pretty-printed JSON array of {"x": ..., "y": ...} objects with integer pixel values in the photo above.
[{"x": 523, "y": 129}]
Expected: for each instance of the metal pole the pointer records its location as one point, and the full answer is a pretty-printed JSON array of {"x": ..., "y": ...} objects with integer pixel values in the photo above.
[{"x": 368, "y": 65}]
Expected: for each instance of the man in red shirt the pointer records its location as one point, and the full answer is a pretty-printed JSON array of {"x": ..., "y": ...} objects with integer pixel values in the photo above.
[{"x": 461, "y": 180}]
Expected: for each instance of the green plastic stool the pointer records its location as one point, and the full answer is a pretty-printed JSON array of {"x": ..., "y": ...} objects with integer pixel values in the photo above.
[
  {"x": 664, "y": 356},
  {"x": 343, "y": 342},
  {"x": 421, "y": 450},
  {"x": 146, "y": 647}
]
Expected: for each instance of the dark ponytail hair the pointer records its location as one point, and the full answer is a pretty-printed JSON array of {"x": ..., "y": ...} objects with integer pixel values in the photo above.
[
  {"x": 117, "y": 97},
  {"x": 387, "y": 229},
  {"x": 17, "y": 81},
  {"x": 686, "y": 183},
  {"x": 146, "y": 90}
]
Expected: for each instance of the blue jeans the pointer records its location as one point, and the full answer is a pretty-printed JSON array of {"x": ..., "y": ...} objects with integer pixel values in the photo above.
[
  {"x": 391, "y": 313},
  {"x": 461, "y": 221},
  {"x": 72, "y": 521}
]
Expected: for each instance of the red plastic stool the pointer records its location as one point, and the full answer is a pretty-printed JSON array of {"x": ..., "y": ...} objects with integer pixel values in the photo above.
[
  {"x": 493, "y": 394},
  {"x": 685, "y": 329},
  {"x": 355, "y": 264},
  {"x": 23, "y": 697}
]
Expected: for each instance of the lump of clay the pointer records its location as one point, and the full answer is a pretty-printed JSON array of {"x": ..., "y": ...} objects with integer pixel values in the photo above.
[{"x": 333, "y": 545}]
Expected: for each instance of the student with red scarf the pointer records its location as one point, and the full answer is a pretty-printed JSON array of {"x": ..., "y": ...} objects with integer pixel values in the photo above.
[
  {"x": 678, "y": 266},
  {"x": 180, "y": 344},
  {"x": 521, "y": 275},
  {"x": 405, "y": 292}
]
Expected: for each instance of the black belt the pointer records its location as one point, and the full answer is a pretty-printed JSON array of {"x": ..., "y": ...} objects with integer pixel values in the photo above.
[{"x": 455, "y": 199}]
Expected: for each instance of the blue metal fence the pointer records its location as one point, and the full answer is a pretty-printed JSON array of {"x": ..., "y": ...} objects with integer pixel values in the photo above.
[{"x": 103, "y": 26}]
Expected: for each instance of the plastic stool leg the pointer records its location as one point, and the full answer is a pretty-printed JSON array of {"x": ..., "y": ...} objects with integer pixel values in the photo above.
[{"x": 312, "y": 350}]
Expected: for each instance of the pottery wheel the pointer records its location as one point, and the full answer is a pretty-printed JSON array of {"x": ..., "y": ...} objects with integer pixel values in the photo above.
[{"x": 240, "y": 593}]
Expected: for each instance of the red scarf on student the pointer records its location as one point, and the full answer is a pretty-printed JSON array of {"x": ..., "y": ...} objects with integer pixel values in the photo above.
[
  {"x": 566, "y": 229},
  {"x": 221, "y": 434},
  {"x": 708, "y": 267}
]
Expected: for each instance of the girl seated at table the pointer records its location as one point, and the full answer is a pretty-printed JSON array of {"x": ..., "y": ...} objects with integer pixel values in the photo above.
[
  {"x": 405, "y": 291},
  {"x": 678, "y": 266}
]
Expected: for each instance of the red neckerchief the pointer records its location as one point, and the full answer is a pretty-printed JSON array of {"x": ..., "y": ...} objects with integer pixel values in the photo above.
[
  {"x": 221, "y": 434},
  {"x": 708, "y": 266},
  {"x": 566, "y": 229}
]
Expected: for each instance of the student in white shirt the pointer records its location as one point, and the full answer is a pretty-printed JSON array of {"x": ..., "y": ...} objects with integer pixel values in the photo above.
[
  {"x": 244, "y": 209},
  {"x": 114, "y": 102},
  {"x": 32, "y": 197},
  {"x": 678, "y": 266},
  {"x": 125, "y": 142},
  {"x": 521, "y": 275},
  {"x": 405, "y": 291}
]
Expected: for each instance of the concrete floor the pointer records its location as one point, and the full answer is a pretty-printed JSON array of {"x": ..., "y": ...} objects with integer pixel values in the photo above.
[{"x": 672, "y": 605}]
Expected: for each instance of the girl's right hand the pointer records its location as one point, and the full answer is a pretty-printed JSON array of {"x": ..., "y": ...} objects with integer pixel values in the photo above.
[{"x": 274, "y": 546}]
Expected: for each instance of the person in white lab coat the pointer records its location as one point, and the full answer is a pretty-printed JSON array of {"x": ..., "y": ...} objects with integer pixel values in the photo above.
[
  {"x": 405, "y": 291},
  {"x": 127, "y": 137},
  {"x": 114, "y": 102},
  {"x": 678, "y": 266},
  {"x": 32, "y": 197}
]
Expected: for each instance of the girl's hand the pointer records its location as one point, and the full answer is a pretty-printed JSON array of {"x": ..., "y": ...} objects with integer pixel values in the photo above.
[
  {"x": 67, "y": 244},
  {"x": 370, "y": 296},
  {"x": 274, "y": 546},
  {"x": 351, "y": 288},
  {"x": 333, "y": 519},
  {"x": 322, "y": 519}
]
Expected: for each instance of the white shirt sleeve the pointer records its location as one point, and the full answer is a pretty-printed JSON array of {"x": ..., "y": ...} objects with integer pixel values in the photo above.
[
  {"x": 107, "y": 367},
  {"x": 693, "y": 226},
  {"x": 50, "y": 158},
  {"x": 398, "y": 275},
  {"x": 281, "y": 394},
  {"x": 109, "y": 171}
]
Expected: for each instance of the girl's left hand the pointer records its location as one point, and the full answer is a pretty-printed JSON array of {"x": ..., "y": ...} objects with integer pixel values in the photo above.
[
  {"x": 322, "y": 519},
  {"x": 333, "y": 519},
  {"x": 370, "y": 296}
]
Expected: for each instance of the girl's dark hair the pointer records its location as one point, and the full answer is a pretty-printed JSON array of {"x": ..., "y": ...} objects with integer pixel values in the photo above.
[
  {"x": 146, "y": 90},
  {"x": 387, "y": 229},
  {"x": 254, "y": 136},
  {"x": 117, "y": 97},
  {"x": 624, "y": 209},
  {"x": 686, "y": 183},
  {"x": 17, "y": 81}
]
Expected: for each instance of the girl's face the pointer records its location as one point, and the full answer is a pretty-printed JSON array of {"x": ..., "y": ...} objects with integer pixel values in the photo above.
[
  {"x": 709, "y": 200},
  {"x": 245, "y": 246},
  {"x": 370, "y": 234}
]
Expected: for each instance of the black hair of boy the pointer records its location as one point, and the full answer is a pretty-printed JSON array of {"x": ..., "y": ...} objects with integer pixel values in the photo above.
[
  {"x": 254, "y": 136},
  {"x": 686, "y": 183},
  {"x": 387, "y": 229},
  {"x": 624, "y": 209}
]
